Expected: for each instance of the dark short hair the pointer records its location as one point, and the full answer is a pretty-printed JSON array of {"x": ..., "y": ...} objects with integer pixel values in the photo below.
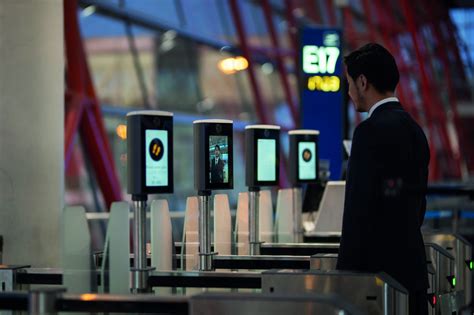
[
  {"x": 376, "y": 64},
  {"x": 217, "y": 147}
]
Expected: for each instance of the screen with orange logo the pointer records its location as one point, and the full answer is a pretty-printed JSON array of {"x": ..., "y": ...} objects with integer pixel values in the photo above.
[{"x": 156, "y": 157}]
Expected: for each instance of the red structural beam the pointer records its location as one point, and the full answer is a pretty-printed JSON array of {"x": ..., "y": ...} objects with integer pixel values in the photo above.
[
  {"x": 279, "y": 62},
  {"x": 443, "y": 46},
  {"x": 292, "y": 32},
  {"x": 83, "y": 111},
  {"x": 433, "y": 109},
  {"x": 348, "y": 26},
  {"x": 73, "y": 118},
  {"x": 451, "y": 159},
  {"x": 374, "y": 32},
  {"x": 451, "y": 37},
  {"x": 331, "y": 12},
  {"x": 76, "y": 86},
  {"x": 352, "y": 39},
  {"x": 466, "y": 91},
  {"x": 370, "y": 23},
  {"x": 312, "y": 10},
  {"x": 403, "y": 91},
  {"x": 385, "y": 20},
  {"x": 458, "y": 70},
  {"x": 259, "y": 104},
  {"x": 270, "y": 52},
  {"x": 260, "y": 107}
]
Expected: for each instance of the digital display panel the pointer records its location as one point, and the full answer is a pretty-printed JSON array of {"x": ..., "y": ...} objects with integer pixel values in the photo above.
[
  {"x": 319, "y": 63},
  {"x": 156, "y": 158},
  {"x": 306, "y": 160},
  {"x": 266, "y": 160},
  {"x": 218, "y": 160},
  {"x": 213, "y": 155},
  {"x": 321, "y": 93}
]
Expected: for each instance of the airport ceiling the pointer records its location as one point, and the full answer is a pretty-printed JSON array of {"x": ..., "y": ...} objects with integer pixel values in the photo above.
[{"x": 461, "y": 3}]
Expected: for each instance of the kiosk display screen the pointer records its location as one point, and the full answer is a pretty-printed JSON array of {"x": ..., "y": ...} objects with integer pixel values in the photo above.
[
  {"x": 306, "y": 160},
  {"x": 213, "y": 163},
  {"x": 266, "y": 160},
  {"x": 218, "y": 160},
  {"x": 156, "y": 161}
]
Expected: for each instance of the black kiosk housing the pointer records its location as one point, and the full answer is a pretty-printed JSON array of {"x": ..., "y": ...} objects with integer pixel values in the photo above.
[
  {"x": 149, "y": 153},
  {"x": 262, "y": 155},
  {"x": 212, "y": 171},
  {"x": 304, "y": 157}
]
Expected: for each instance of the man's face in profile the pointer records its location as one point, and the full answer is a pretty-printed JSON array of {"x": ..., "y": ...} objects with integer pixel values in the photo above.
[
  {"x": 217, "y": 152},
  {"x": 354, "y": 93}
]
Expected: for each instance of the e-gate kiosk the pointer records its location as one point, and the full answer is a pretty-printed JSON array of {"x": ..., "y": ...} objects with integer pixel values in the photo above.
[
  {"x": 303, "y": 169},
  {"x": 213, "y": 169},
  {"x": 262, "y": 168},
  {"x": 150, "y": 171}
]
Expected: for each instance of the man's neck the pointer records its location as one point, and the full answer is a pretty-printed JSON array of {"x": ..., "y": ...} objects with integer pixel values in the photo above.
[
  {"x": 377, "y": 98},
  {"x": 381, "y": 103}
]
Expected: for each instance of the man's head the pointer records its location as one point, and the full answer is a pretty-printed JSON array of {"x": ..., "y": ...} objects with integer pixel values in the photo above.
[
  {"x": 372, "y": 74},
  {"x": 217, "y": 151}
]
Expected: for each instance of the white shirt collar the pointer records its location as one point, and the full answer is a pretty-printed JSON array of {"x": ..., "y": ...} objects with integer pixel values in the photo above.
[{"x": 385, "y": 100}]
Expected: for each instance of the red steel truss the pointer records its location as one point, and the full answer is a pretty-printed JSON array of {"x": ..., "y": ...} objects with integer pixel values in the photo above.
[
  {"x": 83, "y": 113},
  {"x": 421, "y": 40},
  {"x": 246, "y": 52},
  {"x": 275, "y": 53}
]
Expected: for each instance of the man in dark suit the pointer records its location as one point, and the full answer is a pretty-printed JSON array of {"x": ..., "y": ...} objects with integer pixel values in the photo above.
[
  {"x": 386, "y": 179},
  {"x": 217, "y": 166}
]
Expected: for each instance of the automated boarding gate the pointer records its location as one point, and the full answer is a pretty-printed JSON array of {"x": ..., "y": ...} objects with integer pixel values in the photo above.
[
  {"x": 461, "y": 249},
  {"x": 443, "y": 263},
  {"x": 443, "y": 294},
  {"x": 371, "y": 293},
  {"x": 329, "y": 261},
  {"x": 49, "y": 301},
  {"x": 445, "y": 297},
  {"x": 237, "y": 304},
  {"x": 323, "y": 262}
]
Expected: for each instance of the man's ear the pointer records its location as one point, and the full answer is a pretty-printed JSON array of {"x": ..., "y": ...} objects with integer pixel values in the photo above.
[{"x": 363, "y": 82}]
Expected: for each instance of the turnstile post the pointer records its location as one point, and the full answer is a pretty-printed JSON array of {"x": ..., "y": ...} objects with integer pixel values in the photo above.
[
  {"x": 297, "y": 215},
  {"x": 43, "y": 300},
  {"x": 205, "y": 253},
  {"x": 139, "y": 270},
  {"x": 254, "y": 231}
]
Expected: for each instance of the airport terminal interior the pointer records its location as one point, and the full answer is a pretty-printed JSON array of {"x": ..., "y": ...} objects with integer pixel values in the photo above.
[{"x": 191, "y": 156}]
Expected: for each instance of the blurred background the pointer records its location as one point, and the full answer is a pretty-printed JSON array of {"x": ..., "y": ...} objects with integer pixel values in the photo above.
[{"x": 239, "y": 60}]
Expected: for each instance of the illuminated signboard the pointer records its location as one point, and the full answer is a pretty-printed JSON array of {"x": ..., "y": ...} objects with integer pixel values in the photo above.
[
  {"x": 319, "y": 64},
  {"x": 321, "y": 91}
]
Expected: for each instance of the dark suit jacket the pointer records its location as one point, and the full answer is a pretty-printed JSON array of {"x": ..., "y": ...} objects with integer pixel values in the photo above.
[
  {"x": 385, "y": 198},
  {"x": 217, "y": 171}
]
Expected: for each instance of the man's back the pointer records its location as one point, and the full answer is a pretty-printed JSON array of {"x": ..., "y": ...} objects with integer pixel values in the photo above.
[{"x": 385, "y": 198}]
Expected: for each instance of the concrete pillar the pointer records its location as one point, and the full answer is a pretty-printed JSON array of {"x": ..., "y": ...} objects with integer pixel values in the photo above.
[{"x": 31, "y": 130}]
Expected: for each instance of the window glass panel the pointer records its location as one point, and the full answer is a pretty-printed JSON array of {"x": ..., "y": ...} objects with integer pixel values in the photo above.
[
  {"x": 163, "y": 11},
  {"x": 181, "y": 76}
]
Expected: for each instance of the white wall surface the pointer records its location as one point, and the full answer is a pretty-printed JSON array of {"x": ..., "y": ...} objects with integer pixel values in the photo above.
[{"x": 31, "y": 130}]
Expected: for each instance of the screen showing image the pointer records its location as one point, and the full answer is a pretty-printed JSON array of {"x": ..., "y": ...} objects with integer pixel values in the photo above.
[
  {"x": 266, "y": 160},
  {"x": 306, "y": 160},
  {"x": 218, "y": 160},
  {"x": 156, "y": 162}
]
